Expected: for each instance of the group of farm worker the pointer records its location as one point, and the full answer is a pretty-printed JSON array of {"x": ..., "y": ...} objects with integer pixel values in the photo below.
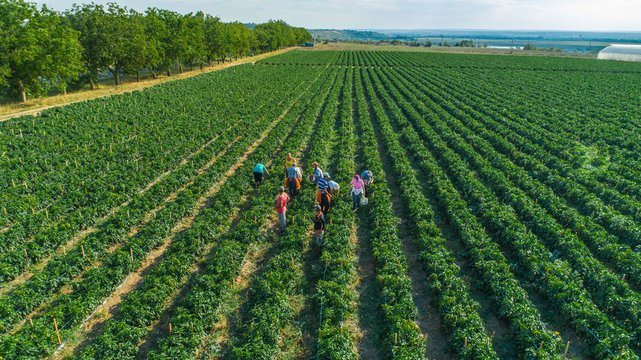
[{"x": 327, "y": 189}]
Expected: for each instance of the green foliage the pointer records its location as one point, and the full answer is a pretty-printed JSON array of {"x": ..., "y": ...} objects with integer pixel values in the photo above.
[
  {"x": 45, "y": 49},
  {"x": 89, "y": 21},
  {"x": 39, "y": 49}
]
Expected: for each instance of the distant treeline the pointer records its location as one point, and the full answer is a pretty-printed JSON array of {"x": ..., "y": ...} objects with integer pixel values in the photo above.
[{"x": 42, "y": 48}]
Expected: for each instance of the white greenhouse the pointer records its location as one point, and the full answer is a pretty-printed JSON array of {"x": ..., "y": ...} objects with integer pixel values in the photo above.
[{"x": 621, "y": 52}]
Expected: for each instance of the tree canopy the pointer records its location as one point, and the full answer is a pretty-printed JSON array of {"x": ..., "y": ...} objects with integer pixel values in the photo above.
[
  {"x": 45, "y": 49},
  {"x": 40, "y": 50}
]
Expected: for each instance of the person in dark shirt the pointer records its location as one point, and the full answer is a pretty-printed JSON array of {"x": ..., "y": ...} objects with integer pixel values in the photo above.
[{"x": 319, "y": 225}]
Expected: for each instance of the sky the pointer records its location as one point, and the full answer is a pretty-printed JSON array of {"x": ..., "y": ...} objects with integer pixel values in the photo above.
[{"x": 578, "y": 15}]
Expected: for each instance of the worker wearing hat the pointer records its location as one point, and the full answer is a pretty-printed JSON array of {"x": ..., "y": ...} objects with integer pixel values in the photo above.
[
  {"x": 293, "y": 179},
  {"x": 318, "y": 173}
]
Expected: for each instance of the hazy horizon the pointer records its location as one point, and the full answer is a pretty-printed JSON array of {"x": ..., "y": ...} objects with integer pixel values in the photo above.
[{"x": 500, "y": 15}]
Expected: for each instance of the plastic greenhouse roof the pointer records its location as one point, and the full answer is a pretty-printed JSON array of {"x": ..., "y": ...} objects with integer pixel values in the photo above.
[{"x": 622, "y": 49}]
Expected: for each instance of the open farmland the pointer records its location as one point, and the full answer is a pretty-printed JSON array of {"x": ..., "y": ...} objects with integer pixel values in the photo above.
[{"x": 503, "y": 222}]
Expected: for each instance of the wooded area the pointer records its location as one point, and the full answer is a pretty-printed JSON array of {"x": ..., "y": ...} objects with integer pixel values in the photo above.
[{"x": 44, "y": 49}]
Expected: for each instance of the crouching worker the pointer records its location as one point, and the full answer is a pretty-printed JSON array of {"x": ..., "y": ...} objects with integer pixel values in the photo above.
[
  {"x": 259, "y": 174},
  {"x": 293, "y": 179},
  {"x": 367, "y": 177},
  {"x": 319, "y": 226},
  {"x": 281, "y": 207},
  {"x": 334, "y": 188}
]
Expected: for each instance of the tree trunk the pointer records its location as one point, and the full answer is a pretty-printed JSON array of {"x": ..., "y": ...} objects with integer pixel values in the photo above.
[
  {"x": 168, "y": 71},
  {"x": 92, "y": 86},
  {"x": 138, "y": 76},
  {"x": 191, "y": 66},
  {"x": 21, "y": 90},
  {"x": 117, "y": 76},
  {"x": 153, "y": 73},
  {"x": 180, "y": 67},
  {"x": 202, "y": 65}
]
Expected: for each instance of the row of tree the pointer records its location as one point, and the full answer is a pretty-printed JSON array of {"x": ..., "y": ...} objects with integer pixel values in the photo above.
[{"x": 42, "y": 48}]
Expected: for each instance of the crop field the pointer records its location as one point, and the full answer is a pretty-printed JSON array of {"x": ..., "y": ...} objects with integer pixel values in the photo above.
[{"x": 503, "y": 222}]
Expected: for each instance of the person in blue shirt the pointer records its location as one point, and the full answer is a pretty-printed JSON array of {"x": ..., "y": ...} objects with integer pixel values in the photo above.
[
  {"x": 368, "y": 177},
  {"x": 324, "y": 196},
  {"x": 259, "y": 173},
  {"x": 318, "y": 173},
  {"x": 293, "y": 179}
]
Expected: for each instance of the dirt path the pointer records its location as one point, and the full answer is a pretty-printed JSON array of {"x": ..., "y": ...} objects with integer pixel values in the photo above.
[
  {"x": 369, "y": 302},
  {"x": 233, "y": 311},
  {"x": 429, "y": 319},
  {"x": 497, "y": 328},
  {"x": 35, "y": 106},
  {"x": 369, "y": 341}
]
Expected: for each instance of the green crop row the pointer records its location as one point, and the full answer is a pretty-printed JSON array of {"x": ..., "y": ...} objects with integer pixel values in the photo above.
[
  {"x": 335, "y": 291},
  {"x": 402, "y": 336},
  {"x": 101, "y": 282},
  {"x": 467, "y": 335},
  {"x": 270, "y": 303},
  {"x": 60, "y": 270},
  {"x": 195, "y": 316},
  {"x": 608, "y": 291},
  {"x": 142, "y": 307}
]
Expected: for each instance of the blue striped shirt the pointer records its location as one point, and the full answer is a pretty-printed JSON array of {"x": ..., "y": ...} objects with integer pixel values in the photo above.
[{"x": 322, "y": 184}]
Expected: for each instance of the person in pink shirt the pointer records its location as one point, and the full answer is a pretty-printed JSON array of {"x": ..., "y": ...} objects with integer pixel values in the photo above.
[
  {"x": 281, "y": 207},
  {"x": 358, "y": 191}
]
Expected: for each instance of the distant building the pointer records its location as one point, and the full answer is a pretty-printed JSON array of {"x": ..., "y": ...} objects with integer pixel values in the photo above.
[{"x": 621, "y": 52}]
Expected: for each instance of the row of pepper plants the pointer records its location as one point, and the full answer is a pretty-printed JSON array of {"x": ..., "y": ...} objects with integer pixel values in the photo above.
[
  {"x": 544, "y": 130},
  {"x": 194, "y": 318},
  {"x": 467, "y": 334},
  {"x": 608, "y": 291},
  {"x": 552, "y": 277},
  {"x": 144, "y": 307},
  {"x": 533, "y": 339},
  {"x": 298, "y": 57},
  {"x": 336, "y": 294},
  {"x": 606, "y": 125},
  {"x": 553, "y": 151},
  {"x": 604, "y": 245},
  {"x": 79, "y": 199},
  {"x": 402, "y": 337},
  {"x": 568, "y": 124},
  {"x": 63, "y": 269},
  {"x": 100, "y": 282},
  {"x": 271, "y": 304}
]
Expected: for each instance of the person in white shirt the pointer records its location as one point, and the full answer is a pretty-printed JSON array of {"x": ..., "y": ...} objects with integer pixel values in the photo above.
[{"x": 334, "y": 188}]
